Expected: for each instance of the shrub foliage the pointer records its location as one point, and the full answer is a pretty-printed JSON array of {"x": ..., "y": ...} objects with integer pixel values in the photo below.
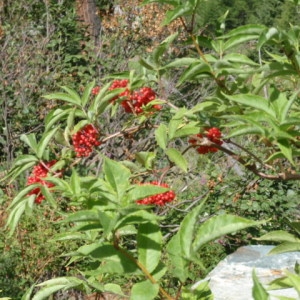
[{"x": 145, "y": 174}]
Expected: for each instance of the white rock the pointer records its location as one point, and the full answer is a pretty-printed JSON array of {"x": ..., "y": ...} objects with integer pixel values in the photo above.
[{"x": 232, "y": 277}]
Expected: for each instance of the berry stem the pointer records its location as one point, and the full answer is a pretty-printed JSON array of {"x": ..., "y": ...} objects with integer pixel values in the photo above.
[
  {"x": 250, "y": 154},
  {"x": 253, "y": 168},
  {"x": 127, "y": 131}
]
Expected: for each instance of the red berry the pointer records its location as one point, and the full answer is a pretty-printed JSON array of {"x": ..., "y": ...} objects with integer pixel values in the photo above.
[
  {"x": 213, "y": 134},
  {"x": 85, "y": 139},
  {"x": 96, "y": 90},
  {"x": 133, "y": 101},
  {"x": 40, "y": 171},
  {"x": 159, "y": 199}
]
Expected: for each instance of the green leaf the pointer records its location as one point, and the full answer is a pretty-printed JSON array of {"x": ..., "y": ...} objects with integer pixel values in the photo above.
[
  {"x": 117, "y": 175},
  {"x": 108, "y": 220},
  {"x": 75, "y": 183},
  {"x": 67, "y": 236},
  {"x": 144, "y": 290},
  {"x": 19, "y": 205},
  {"x": 159, "y": 271},
  {"x": 241, "y": 35},
  {"x": 118, "y": 264},
  {"x": 258, "y": 291},
  {"x": 286, "y": 150},
  {"x": 239, "y": 58},
  {"x": 65, "y": 97},
  {"x": 113, "y": 288},
  {"x": 276, "y": 155},
  {"x": 295, "y": 280},
  {"x": 266, "y": 35},
  {"x": 147, "y": 64},
  {"x": 254, "y": 101},
  {"x": 179, "y": 11},
  {"x": 245, "y": 129},
  {"x": 24, "y": 159},
  {"x": 279, "y": 101},
  {"x": 146, "y": 159},
  {"x": 61, "y": 138},
  {"x": 30, "y": 140},
  {"x": 48, "y": 195},
  {"x": 281, "y": 133},
  {"x": 70, "y": 121},
  {"x": 187, "y": 229},
  {"x": 250, "y": 29},
  {"x": 220, "y": 225},
  {"x": 87, "y": 93},
  {"x": 141, "y": 191},
  {"x": 72, "y": 93},
  {"x": 280, "y": 283},
  {"x": 202, "y": 106},
  {"x": 193, "y": 70},
  {"x": 237, "y": 40},
  {"x": 22, "y": 195},
  {"x": 56, "y": 116},
  {"x": 149, "y": 240},
  {"x": 98, "y": 105},
  {"x": 163, "y": 47},
  {"x": 137, "y": 217},
  {"x": 44, "y": 142},
  {"x": 176, "y": 122},
  {"x": 28, "y": 293},
  {"x": 297, "y": 268},
  {"x": 16, "y": 171},
  {"x": 115, "y": 261},
  {"x": 80, "y": 125},
  {"x": 198, "y": 291},
  {"x": 179, "y": 266},
  {"x": 187, "y": 130},
  {"x": 161, "y": 136},
  {"x": 82, "y": 216},
  {"x": 295, "y": 226},
  {"x": 182, "y": 62},
  {"x": 61, "y": 185},
  {"x": 275, "y": 69},
  {"x": 51, "y": 286},
  {"x": 177, "y": 158},
  {"x": 278, "y": 236},
  {"x": 207, "y": 42},
  {"x": 286, "y": 247}
]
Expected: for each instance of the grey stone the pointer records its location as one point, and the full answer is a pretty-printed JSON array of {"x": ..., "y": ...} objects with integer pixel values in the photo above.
[{"x": 231, "y": 279}]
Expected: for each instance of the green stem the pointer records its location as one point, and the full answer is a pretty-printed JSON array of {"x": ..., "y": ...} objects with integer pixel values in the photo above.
[
  {"x": 142, "y": 268},
  {"x": 219, "y": 82}
]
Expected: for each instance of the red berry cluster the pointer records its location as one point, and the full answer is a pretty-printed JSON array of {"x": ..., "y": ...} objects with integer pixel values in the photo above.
[
  {"x": 134, "y": 100},
  {"x": 85, "y": 139},
  {"x": 213, "y": 134},
  {"x": 40, "y": 171},
  {"x": 159, "y": 199},
  {"x": 96, "y": 90},
  {"x": 117, "y": 84}
]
